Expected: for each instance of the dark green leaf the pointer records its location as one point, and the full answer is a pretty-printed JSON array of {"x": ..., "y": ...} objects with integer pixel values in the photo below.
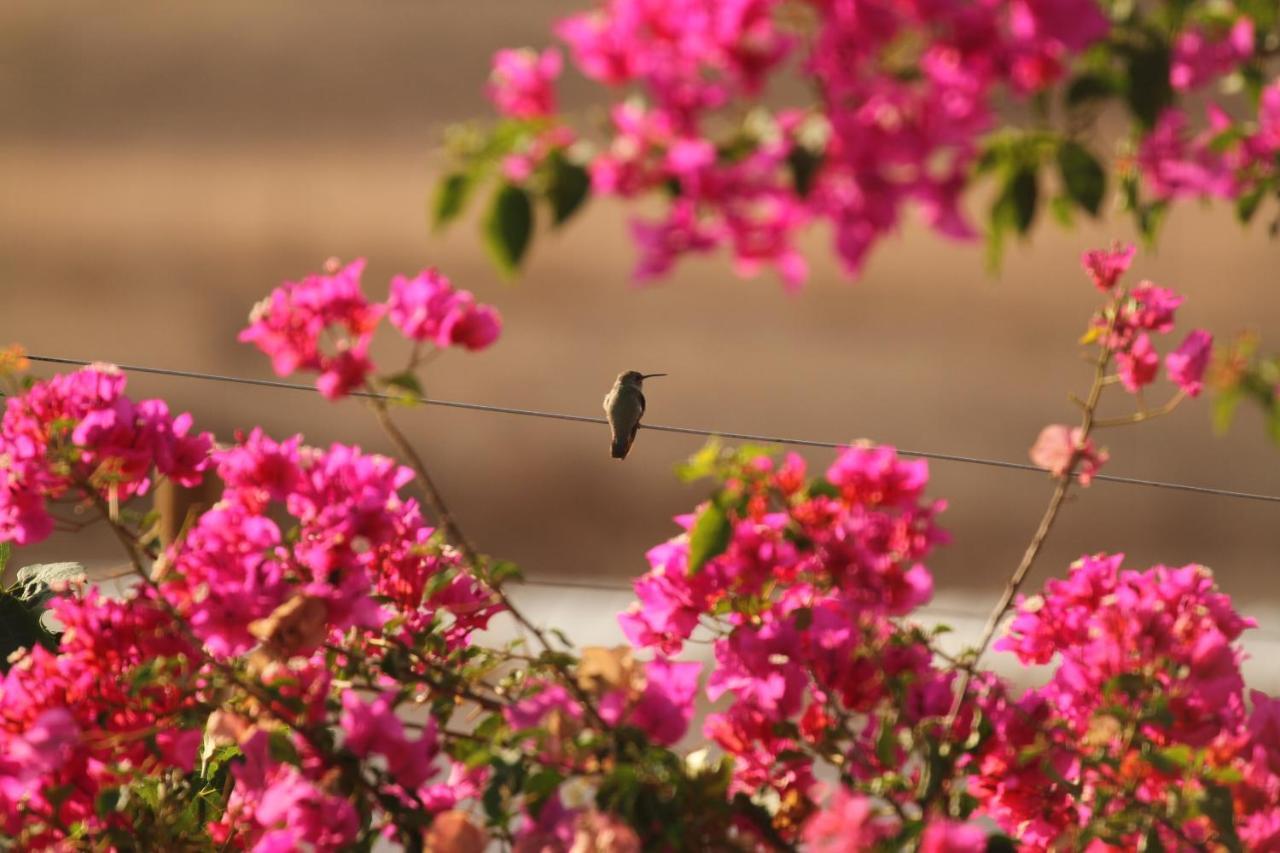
[
  {"x": 107, "y": 801},
  {"x": 19, "y": 629},
  {"x": 568, "y": 188},
  {"x": 1091, "y": 87},
  {"x": 1000, "y": 844},
  {"x": 1082, "y": 175},
  {"x": 1218, "y": 806},
  {"x": 804, "y": 165},
  {"x": 508, "y": 227},
  {"x": 709, "y": 537},
  {"x": 451, "y": 197},
  {"x": 1151, "y": 842},
  {"x": 1148, "y": 90}
]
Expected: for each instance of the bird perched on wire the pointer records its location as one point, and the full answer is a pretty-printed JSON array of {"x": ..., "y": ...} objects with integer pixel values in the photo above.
[{"x": 624, "y": 406}]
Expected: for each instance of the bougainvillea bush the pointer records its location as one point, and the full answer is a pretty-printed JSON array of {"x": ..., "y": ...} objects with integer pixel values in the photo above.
[{"x": 305, "y": 664}]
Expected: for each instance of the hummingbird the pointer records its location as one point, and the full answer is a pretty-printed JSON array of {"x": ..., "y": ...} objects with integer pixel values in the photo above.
[{"x": 624, "y": 406}]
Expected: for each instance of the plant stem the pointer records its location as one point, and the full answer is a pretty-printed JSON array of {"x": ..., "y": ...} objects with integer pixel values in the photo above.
[{"x": 453, "y": 533}]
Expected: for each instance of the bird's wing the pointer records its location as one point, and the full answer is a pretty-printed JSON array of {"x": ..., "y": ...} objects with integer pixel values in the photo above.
[
  {"x": 608, "y": 401},
  {"x": 640, "y": 394}
]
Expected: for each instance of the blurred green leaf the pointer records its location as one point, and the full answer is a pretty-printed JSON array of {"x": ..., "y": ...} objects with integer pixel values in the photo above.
[
  {"x": 406, "y": 381},
  {"x": 1247, "y": 204},
  {"x": 701, "y": 464},
  {"x": 1217, "y": 804},
  {"x": 568, "y": 187},
  {"x": 1082, "y": 175},
  {"x": 6, "y": 550},
  {"x": 450, "y": 198},
  {"x": 804, "y": 165},
  {"x": 711, "y": 533},
  {"x": 1148, "y": 90},
  {"x": 508, "y": 227},
  {"x": 1091, "y": 87}
]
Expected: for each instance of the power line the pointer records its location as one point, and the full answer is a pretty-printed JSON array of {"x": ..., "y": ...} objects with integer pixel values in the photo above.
[{"x": 739, "y": 436}]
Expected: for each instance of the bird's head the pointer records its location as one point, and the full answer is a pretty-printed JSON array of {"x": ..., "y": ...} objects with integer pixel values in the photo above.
[{"x": 635, "y": 377}]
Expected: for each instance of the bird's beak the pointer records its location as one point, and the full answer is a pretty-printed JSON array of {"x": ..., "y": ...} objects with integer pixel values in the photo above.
[{"x": 651, "y": 375}]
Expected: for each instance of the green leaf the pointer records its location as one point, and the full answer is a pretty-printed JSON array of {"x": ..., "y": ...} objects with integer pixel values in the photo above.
[
  {"x": 6, "y": 550},
  {"x": 1218, "y": 806},
  {"x": 569, "y": 187},
  {"x": 282, "y": 748},
  {"x": 19, "y": 629},
  {"x": 107, "y": 801},
  {"x": 508, "y": 227},
  {"x": 1082, "y": 175},
  {"x": 450, "y": 199},
  {"x": 804, "y": 165},
  {"x": 999, "y": 843},
  {"x": 701, "y": 464},
  {"x": 1247, "y": 204},
  {"x": 710, "y": 535},
  {"x": 406, "y": 381},
  {"x": 1148, "y": 91},
  {"x": 1151, "y": 842},
  {"x": 1091, "y": 87}
]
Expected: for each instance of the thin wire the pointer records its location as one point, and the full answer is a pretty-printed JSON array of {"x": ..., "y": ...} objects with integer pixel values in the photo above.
[{"x": 740, "y": 436}]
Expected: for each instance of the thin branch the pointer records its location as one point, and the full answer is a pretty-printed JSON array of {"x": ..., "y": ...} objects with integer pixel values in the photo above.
[{"x": 453, "y": 533}]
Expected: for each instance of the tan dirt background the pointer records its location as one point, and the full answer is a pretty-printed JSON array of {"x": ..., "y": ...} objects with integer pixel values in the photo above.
[{"x": 163, "y": 166}]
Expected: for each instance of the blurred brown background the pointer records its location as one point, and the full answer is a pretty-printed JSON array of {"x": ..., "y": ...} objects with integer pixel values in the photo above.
[{"x": 163, "y": 166}]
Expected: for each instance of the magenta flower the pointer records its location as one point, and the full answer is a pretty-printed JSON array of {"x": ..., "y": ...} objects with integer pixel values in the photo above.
[
  {"x": 1105, "y": 267},
  {"x": 428, "y": 308},
  {"x": 1199, "y": 58},
  {"x": 520, "y": 84},
  {"x": 849, "y": 823},
  {"x": 80, "y": 427},
  {"x": 290, "y": 326},
  {"x": 1186, "y": 364},
  {"x": 665, "y": 708},
  {"x": 373, "y": 728},
  {"x": 949, "y": 836},
  {"x": 1139, "y": 364}
]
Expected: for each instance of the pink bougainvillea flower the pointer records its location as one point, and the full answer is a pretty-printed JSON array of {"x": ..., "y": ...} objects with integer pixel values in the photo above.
[
  {"x": 1138, "y": 364},
  {"x": 1198, "y": 57},
  {"x": 293, "y": 327},
  {"x": 1186, "y": 364},
  {"x": 428, "y": 308},
  {"x": 521, "y": 82},
  {"x": 949, "y": 836},
  {"x": 80, "y": 428},
  {"x": 849, "y": 823},
  {"x": 1058, "y": 447},
  {"x": 1106, "y": 266}
]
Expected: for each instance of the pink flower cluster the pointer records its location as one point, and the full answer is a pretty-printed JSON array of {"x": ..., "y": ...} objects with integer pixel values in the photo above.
[
  {"x": 1147, "y": 309},
  {"x": 801, "y": 601},
  {"x": 78, "y": 433},
  {"x": 1226, "y": 159},
  {"x": 1147, "y": 662},
  {"x": 360, "y": 553},
  {"x": 429, "y": 308},
  {"x": 851, "y": 822},
  {"x": 905, "y": 90},
  {"x": 1125, "y": 327},
  {"x": 325, "y": 324},
  {"x": 72, "y": 724}
]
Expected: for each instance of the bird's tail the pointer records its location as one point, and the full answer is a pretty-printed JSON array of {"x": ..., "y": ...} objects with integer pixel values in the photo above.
[{"x": 622, "y": 442}]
